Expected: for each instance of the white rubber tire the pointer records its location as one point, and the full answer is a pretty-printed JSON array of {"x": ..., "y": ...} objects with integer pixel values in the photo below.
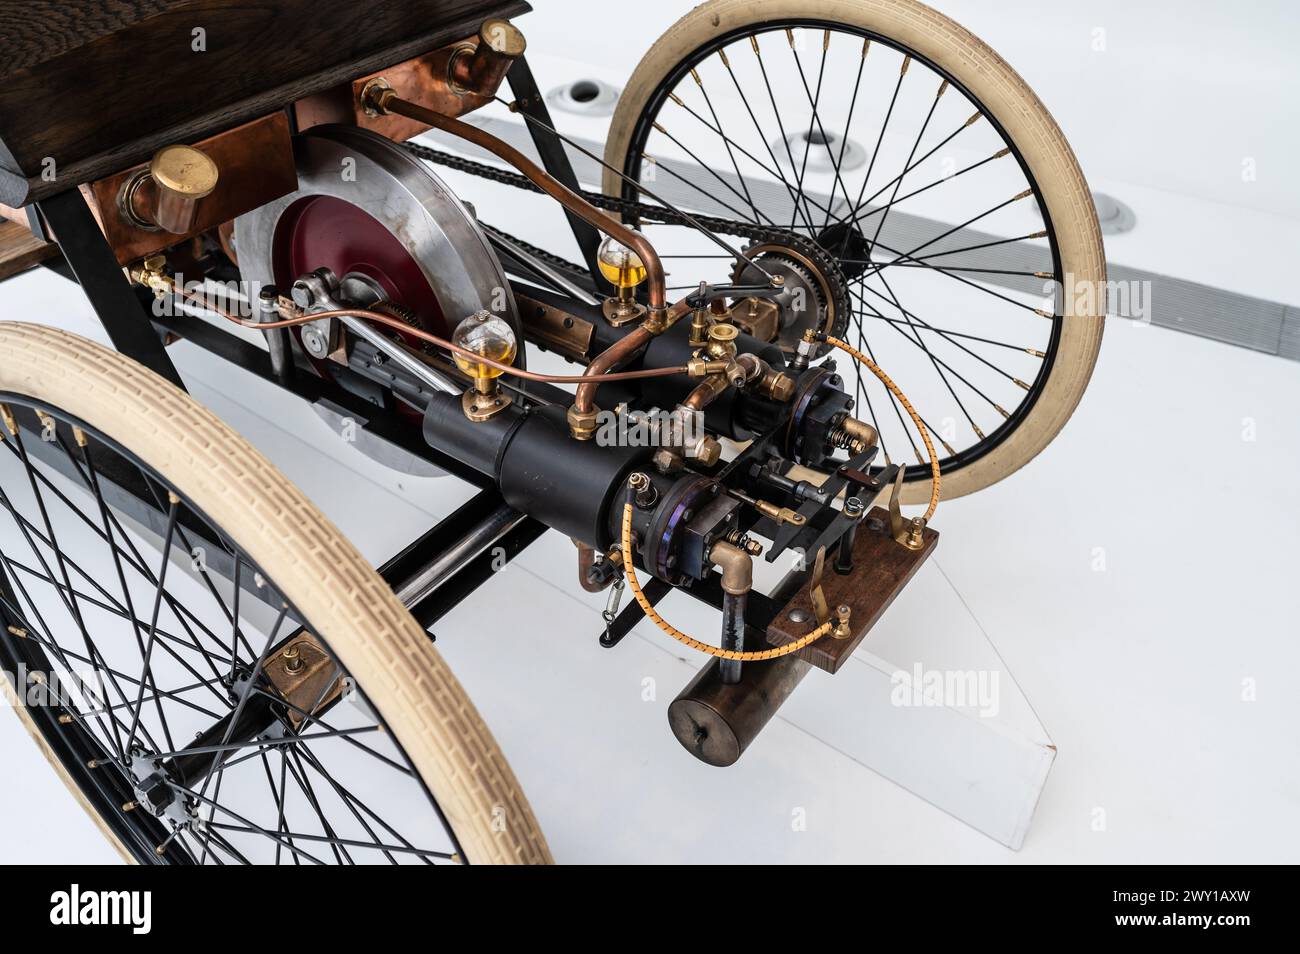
[{"x": 347, "y": 604}]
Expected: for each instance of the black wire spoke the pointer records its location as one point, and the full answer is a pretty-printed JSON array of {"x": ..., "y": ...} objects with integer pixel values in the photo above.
[
  {"x": 848, "y": 124},
  {"x": 916, "y": 144},
  {"x": 875, "y": 152},
  {"x": 909, "y": 255},
  {"x": 338, "y": 843},
  {"x": 128, "y": 604},
  {"x": 726, "y": 142},
  {"x": 938, "y": 367},
  {"x": 244, "y": 694},
  {"x": 896, "y": 199},
  {"x": 856, "y": 213},
  {"x": 69, "y": 599},
  {"x": 814, "y": 100},
  {"x": 982, "y": 245},
  {"x": 118, "y": 711},
  {"x": 165, "y": 643},
  {"x": 200, "y": 567},
  {"x": 700, "y": 189},
  {"x": 957, "y": 374},
  {"x": 780, "y": 125},
  {"x": 299, "y": 774},
  {"x": 251, "y": 826},
  {"x": 949, "y": 333},
  {"x": 165, "y": 558},
  {"x": 776, "y": 163},
  {"x": 277, "y": 793},
  {"x": 113, "y": 737},
  {"x": 67, "y": 654},
  {"x": 950, "y": 272},
  {"x": 314, "y": 761}
]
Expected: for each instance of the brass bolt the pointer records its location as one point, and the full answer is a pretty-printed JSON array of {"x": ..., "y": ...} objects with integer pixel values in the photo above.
[
  {"x": 65, "y": 719},
  {"x": 709, "y": 452},
  {"x": 782, "y": 387},
  {"x": 129, "y": 806}
]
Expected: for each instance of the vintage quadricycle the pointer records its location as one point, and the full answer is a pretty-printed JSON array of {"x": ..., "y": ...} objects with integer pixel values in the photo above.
[{"x": 817, "y": 273}]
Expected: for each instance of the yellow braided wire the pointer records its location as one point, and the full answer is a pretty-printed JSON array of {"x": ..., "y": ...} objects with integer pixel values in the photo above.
[
  {"x": 907, "y": 405},
  {"x": 677, "y": 634}
]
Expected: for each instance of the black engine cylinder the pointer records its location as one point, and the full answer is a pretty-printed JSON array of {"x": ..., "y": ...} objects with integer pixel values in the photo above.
[{"x": 540, "y": 469}]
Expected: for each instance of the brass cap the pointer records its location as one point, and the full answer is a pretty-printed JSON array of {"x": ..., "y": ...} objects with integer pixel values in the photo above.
[
  {"x": 184, "y": 170},
  {"x": 502, "y": 36}
]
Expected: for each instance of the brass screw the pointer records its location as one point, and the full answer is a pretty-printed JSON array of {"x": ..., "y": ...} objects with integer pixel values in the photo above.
[
  {"x": 842, "y": 630},
  {"x": 294, "y": 659},
  {"x": 65, "y": 719},
  {"x": 129, "y": 806}
]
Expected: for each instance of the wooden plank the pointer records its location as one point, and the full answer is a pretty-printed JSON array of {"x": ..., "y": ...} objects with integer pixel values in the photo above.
[
  {"x": 21, "y": 250},
  {"x": 122, "y": 78},
  {"x": 881, "y": 568}
]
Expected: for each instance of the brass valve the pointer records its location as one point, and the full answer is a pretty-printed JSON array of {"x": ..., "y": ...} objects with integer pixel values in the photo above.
[{"x": 152, "y": 273}]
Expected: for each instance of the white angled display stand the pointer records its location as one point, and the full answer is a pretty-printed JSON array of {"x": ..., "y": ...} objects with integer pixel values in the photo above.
[{"x": 962, "y": 736}]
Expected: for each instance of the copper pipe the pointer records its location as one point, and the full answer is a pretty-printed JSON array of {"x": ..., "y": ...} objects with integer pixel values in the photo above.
[
  {"x": 385, "y": 100},
  {"x": 619, "y": 354},
  {"x": 706, "y": 392},
  {"x": 402, "y": 326}
]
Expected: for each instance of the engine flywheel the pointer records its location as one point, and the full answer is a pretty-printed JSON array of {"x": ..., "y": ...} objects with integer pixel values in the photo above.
[{"x": 365, "y": 205}]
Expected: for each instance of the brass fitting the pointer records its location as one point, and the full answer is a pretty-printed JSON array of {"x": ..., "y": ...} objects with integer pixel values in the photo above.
[
  {"x": 701, "y": 321},
  {"x": 914, "y": 536},
  {"x": 779, "y": 514},
  {"x": 582, "y": 424},
  {"x": 853, "y": 435},
  {"x": 766, "y": 380},
  {"x": 722, "y": 341},
  {"x": 152, "y": 273},
  {"x": 702, "y": 367},
  {"x": 841, "y": 630},
  {"x": 709, "y": 451},
  {"x": 485, "y": 400},
  {"x": 658, "y": 321},
  {"x": 778, "y": 386},
  {"x": 736, "y": 565},
  {"x": 166, "y": 195}
]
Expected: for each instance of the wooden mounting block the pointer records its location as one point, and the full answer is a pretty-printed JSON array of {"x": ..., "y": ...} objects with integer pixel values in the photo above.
[{"x": 881, "y": 568}]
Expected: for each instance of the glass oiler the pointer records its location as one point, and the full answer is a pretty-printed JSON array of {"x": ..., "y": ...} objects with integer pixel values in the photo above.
[
  {"x": 623, "y": 269},
  {"x": 485, "y": 335}
]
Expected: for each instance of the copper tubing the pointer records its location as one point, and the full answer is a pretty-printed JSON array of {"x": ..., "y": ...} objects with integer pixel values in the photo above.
[
  {"x": 601, "y": 367},
  {"x": 618, "y": 354},
  {"x": 706, "y": 392},
  {"x": 402, "y": 326},
  {"x": 387, "y": 101}
]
